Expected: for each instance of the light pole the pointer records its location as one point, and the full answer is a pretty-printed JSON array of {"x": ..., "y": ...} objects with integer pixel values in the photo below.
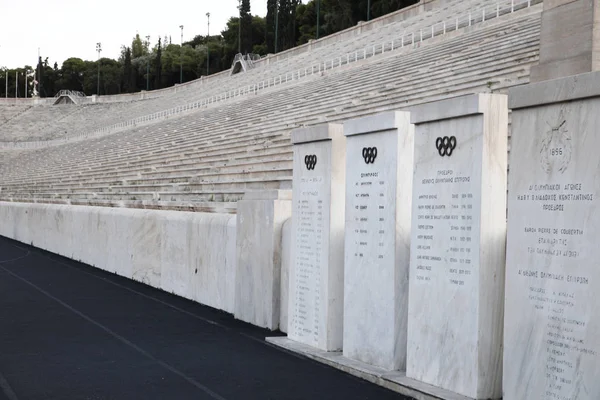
[
  {"x": 181, "y": 57},
  {"x": 148, "y": 64},
  {"x": 6, "y": 88},
  {"x": 99, "y": 50},
  {"x": 368, "y": 10},
  {"x": 240, "y": 28},
  {"x": 207, "y": 43},
  {"x": 25, "y": 76}
]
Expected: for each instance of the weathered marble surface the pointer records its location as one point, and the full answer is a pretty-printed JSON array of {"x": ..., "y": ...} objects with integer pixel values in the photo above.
[
  {"x": 189, "y": 254},
  {"x": 284, "y": 286},
  {"x": 569, "y": 39},
  {"x": 378, "y": 198},
  {"x": 260, "y": 217},
  {"x": 316, "y": 276},
  {"x": 392, "y": 380},
  {"x": 552, "y": 317},
  {"x": 458, "y": 245}
]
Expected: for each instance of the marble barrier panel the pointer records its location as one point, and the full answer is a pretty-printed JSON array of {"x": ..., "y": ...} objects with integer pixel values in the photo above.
[
  {"x": 316, "y": 277},
  {"x": 379, "y": 159},
  {"x": 552, "y": 306},
  {"x": 458, "y": 237},
  {"x": 260, "y": 219},
  {"x": 190, "y": 254}
]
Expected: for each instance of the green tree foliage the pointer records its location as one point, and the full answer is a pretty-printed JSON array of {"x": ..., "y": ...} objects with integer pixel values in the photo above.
[
  {"x": 138, "y": 48},
  {"x": 246, "y": 28},
  {"x": 127, "y": 79},
  {"x": 270, "y": 25},
  {"x": 158, "y": 65},
  {"x": 295, "y": 22}
]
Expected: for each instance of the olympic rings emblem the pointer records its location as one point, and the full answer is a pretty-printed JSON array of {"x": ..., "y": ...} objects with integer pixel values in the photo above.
[
  {"x": 310, "y": 161},
  {"x": 369, "y": 154},
  {"x": 446, "y": 145}
]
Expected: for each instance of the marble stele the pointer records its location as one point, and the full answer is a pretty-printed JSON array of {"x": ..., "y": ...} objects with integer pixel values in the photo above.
[
  {"x": 379, "y": 158},
  {"x": 552, "y": 305},
  {"x": 458, "y": 237},
  {"x": 316, "y": 276}
]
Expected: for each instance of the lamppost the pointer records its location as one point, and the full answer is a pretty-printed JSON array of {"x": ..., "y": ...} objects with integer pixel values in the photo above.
[
  {"x": 25, "y": 76},
  {"x": 99, "y": 50},
  {"x": 148, "y": 63},
  {"x": 207, "y": 43},
  {"x": 181, "y": 57},
  {"x": 368, "y": 10}
]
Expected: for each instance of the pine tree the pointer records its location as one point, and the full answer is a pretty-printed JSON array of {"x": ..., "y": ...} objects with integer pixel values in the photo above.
[
  {"x": 40, "y": 77},
  {"x": 246, "y": 28},
  {"x": 158, "y": 66},
  {"x": 270, "y": 31},
  {"x": 128, "y": 73}
]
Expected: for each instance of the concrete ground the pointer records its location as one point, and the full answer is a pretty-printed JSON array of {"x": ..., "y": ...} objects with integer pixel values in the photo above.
[{"x": 70, "y": 331}]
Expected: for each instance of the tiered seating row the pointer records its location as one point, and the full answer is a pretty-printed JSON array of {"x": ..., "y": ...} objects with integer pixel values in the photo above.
[
  {"x": 47, "y": 123},
  {"x": 208, "y": 159}
]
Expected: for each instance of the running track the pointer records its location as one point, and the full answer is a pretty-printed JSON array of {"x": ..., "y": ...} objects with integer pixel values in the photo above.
[{"x": 70, "y": 331}]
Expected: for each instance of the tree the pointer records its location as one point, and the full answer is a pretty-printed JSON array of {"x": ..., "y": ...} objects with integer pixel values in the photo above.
[
  {"x": 246, "y": 28},
  {"x": 158, "y": 66},
  {"x": 306, "y": 15},
  {"x": 39, "y": 77},
  {"x": 128, "y": 80},
  {"x": 137, "y": 47},
  {"x": 270, "y": 25},
  {"x": 71, "y": 74}
]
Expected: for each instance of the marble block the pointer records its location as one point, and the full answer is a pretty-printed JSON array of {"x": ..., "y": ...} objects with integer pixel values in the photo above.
[
  {"x": 316, "y": 276},
  {"x": 260, "y": 217},
  {"x": 552, "y": 312},
  {"x": 569, "y": 39},
  {"x": 457, "y": 254},
  {"x": 379, "y": 158}
]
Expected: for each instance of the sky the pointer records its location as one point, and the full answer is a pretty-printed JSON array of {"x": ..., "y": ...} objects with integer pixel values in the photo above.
[{"x": 70, "y": 28}]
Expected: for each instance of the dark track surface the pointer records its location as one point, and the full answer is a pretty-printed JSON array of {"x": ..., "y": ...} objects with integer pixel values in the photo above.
[{"x": 70, "y": 331}]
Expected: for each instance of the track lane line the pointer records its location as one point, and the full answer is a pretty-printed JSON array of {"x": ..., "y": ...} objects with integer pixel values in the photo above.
[
  {"x": 181, "y": 310},
  {"x": 122, "y": 339}
]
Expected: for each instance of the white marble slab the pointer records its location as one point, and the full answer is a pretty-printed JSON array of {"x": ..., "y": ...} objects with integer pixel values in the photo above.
[
  {"x": 392, "y": 380},
  {"x": 260, "y": 217},
  {"x": 316, "y": 277},
  {"x": 378, "y": 197},
  {"x": 458, "y": 245},
  {"x": 552, "y": 323}
]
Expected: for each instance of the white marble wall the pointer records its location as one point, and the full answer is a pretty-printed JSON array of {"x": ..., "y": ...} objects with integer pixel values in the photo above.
[
  {"x": 189, "y": 254},
  {"x": 260, "y": 218},
  {"x": 316, "y": 276},
  {"x": 458, "y": 245},
  {"x": 552, "y": 323},
  {"x": 378, "y": 198}
]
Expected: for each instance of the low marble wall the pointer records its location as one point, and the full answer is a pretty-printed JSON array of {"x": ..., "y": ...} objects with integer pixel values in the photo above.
[{"x": 192, "y": 255}]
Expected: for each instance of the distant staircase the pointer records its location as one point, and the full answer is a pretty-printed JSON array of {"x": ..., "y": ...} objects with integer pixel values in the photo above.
[
  {"x": 68, "y": 97},
  {"x": 243, "y": 62}
]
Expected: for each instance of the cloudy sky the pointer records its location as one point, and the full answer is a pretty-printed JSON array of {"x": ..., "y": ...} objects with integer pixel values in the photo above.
[{"x": 71, "y": 28}]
